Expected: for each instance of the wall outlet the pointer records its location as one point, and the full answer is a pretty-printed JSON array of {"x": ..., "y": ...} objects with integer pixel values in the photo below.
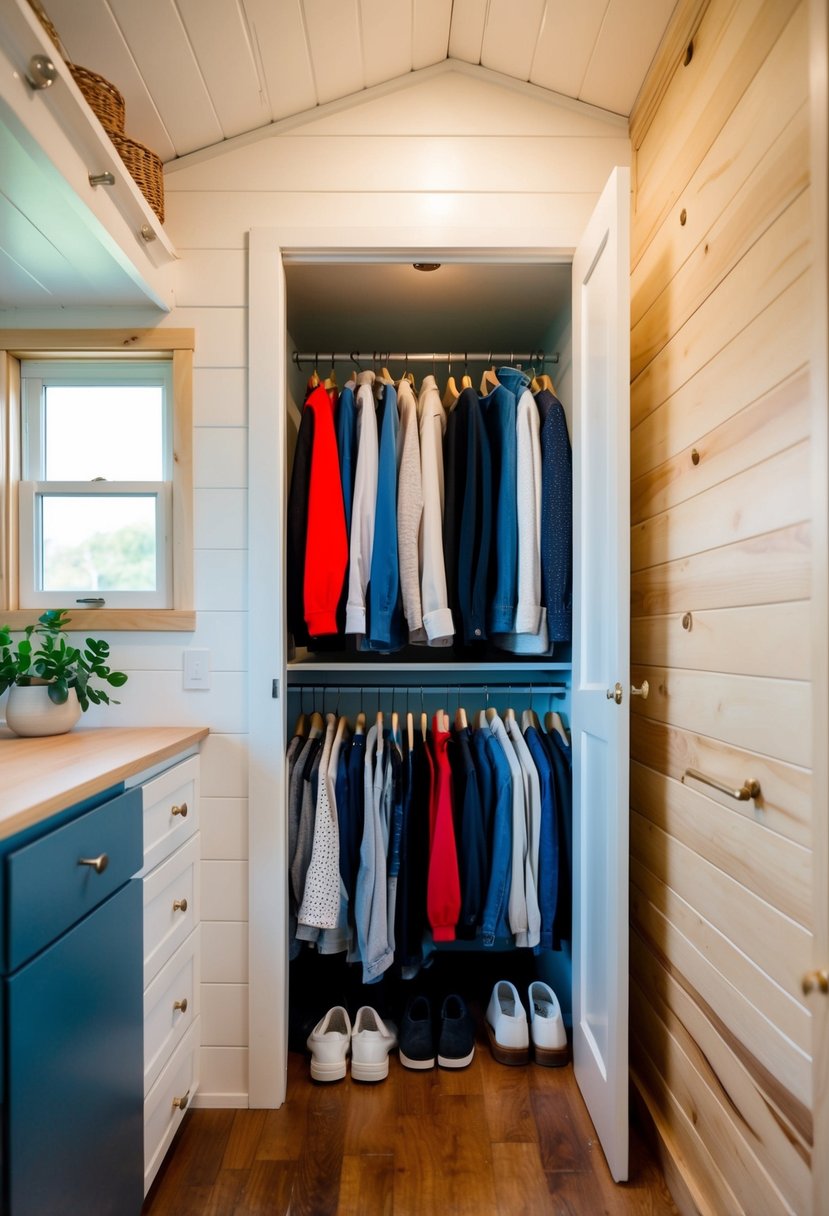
[{"x": 196, "y": 669}]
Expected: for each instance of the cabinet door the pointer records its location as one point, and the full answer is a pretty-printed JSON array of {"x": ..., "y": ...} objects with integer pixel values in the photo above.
[
  {"x": 75, "y": 1077},
  {"x": 601, "y": 663}
]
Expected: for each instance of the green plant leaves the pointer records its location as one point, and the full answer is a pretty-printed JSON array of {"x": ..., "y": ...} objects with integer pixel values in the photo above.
[{"x": 52, "y": 658}]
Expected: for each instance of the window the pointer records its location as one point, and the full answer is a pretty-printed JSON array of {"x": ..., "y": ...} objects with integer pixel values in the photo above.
[
  {"x": 96, "y": 497},
  {"x": 97, "y": 482}
]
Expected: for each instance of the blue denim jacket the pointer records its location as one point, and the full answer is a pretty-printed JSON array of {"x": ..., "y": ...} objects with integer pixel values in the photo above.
[
  {"x": 498, "y": 408},
  {"x": 556, "y": 517},
  {"x": 548, "y": 860},
  {"x": 385, "y": 628},
  {"x": 494, "y": 923}
]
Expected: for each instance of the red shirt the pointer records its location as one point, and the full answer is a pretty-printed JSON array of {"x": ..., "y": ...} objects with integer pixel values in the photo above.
[
  {"x": 326, "y": 547},
  {"x": 443, "y": 892}
]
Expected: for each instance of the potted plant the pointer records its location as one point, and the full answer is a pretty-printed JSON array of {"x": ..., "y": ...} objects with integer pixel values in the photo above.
[{"x": 52, "y": 682}]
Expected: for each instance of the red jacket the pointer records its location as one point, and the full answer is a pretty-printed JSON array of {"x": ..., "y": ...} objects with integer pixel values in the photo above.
[
  {"x": 326, "y": 548},
  {"x": 443, "y": 892}
]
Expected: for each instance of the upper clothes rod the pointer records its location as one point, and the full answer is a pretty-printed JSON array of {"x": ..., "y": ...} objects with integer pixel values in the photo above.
[{"x": 533, "y": 356}]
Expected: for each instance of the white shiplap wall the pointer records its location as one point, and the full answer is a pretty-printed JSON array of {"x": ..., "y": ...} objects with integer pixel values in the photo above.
[{"x": 445, "y": 155}]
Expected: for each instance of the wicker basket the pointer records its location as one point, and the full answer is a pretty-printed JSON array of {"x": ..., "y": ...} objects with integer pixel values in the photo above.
[
  {"x": 145, "y": 168},
  {"x": 106, "y": 103}
]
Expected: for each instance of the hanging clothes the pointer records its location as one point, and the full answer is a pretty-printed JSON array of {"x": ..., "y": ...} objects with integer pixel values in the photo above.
[
  {"x": 385, "y": 629},
  {"x": 557, "y": 516},
  {"x": 326, "y": 547},
  {"x": 443, "y": 901},
  {"x": 548, "y": 846},
  {"x": 370, "y": 912},
  {"x": 532, "y": 827},
  {"x": 364, "y": 505},
  {"x": 498, "y": 409},
  {"x": 321, "y": 895},
  {"x": 345, "y": 423},
  {"x": 409, "y": 508},
  {"x": 471, "y": 843},
  {"x": 438, "y": 627},
  {"x": 467, "y": 525},
  {"x": 297, "y": 528}
]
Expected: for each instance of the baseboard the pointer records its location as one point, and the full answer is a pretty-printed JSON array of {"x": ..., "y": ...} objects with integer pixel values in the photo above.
[{"x": 206, "y": 1101}]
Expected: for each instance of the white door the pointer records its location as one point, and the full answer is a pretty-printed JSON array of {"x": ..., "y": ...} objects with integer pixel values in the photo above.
[{"x": 601, "y": 665}]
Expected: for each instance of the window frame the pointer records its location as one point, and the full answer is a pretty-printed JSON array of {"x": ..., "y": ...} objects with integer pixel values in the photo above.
[{"x": 162, "y": 344}]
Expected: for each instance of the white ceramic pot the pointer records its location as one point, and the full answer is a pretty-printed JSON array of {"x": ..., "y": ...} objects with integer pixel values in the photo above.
[{"x": 29, "y": 711}]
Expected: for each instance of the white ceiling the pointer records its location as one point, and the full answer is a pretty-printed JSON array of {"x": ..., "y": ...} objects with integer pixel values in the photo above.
[{"x": 197, "y": 72}]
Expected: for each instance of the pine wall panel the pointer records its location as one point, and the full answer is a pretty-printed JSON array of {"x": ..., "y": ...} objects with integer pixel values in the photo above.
[{"x": 720, "y": 544}]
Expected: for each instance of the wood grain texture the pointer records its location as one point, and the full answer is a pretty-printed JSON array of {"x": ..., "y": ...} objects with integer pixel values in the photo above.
[
  {"x": 760, "y": 640},
  {"x": 41, "y": 776},
  {"x": 779, "y": 419},
  {"x": 765, "y": 110},
  {"x": 772, "y": 1027},
  {"x": 448, "y": 1152},
  {"x": 35, "y": 343},
  {"x": 765, "y": 569},
  {"x": 683, "y": 25},
  {"x": 785, "y": 804},
  {"x": 776, "y": 870},
  {"x": 783, "y": 1153}
]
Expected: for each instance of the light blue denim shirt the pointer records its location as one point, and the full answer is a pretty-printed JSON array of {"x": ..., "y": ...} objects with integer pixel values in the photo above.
[{"x": 498, "y": 409}]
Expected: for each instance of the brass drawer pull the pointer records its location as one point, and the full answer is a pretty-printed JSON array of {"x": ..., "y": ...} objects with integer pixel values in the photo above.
[
  {"x": 180, "y": 810},
  {"x": 181, "y": 1103},
  {"x": 181, "y": 1005},
  {"x": 98, "y": 864},
  {"x": 179, "y": 905},
  {"x": 748, "y": 790},
  {"x": 815, "y": 981}
]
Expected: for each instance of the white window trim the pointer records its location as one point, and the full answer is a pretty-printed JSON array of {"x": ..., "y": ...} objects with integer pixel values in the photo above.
[{"x": 31, "y": 494}]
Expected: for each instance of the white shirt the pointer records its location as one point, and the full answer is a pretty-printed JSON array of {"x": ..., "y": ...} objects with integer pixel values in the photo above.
[
  {"x": 363, "y": 505},
  {"x": 437, "y": 615}
]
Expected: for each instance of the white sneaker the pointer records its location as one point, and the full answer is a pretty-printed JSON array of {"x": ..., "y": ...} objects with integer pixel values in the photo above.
[
  {"x": 329, "y": 1044},
  {"x": 371, "y": 1041},
  {"x": 547, "y": 1030},
  {"x": 506, "y": 1025}
]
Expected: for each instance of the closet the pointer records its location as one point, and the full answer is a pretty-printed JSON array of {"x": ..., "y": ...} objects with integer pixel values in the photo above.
[{"x": 304, "y": 298}]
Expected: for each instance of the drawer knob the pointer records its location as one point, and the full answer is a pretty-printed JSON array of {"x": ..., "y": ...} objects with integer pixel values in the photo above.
[
  {"x": 181, "y": 1005},
  {"x": 181, "y": 1103},
  {"x": 180, "y": 810},
  {"x": 179, "y": 905},
  {"x": 98, "y": 864}
]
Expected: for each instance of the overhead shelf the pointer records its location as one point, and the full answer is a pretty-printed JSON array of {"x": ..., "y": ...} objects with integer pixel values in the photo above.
[{"x": 64, "y": 241}]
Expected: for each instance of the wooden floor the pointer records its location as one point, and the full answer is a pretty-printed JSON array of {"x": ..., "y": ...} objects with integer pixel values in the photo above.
[{"x": 485, "y": 1140}]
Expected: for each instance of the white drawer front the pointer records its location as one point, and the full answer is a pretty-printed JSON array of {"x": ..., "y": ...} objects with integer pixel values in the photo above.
[
  {"x": 172, "y": 1003},
  {"x": 171, "y": 906},
  {"x": 171, "y": 811},
  {"x": 167, "y": 1100}
]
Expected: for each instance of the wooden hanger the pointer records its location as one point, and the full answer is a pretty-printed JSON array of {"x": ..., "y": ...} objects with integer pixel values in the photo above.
[
  {"x": 480, "y": 720},
  {"x": 489, "y": 381},
  {"x": 302, "y": 725},
  {"x": 360, "y": 724},
  {"x": 410, "y": 730},
  {"x": 529, "y": 718},
  {"x": 379, "y": 723},
  {"x": 544, "y": 381},
  {"x": 466, "y": 381},
  {"x": 460, "y": 719},
  {"x": 553, "y": 722},
  {"x": 535, "y": 385},
  {"x": 331, "y": 381},
  {"x": 385, "y": 376},
  {"x": 491, "y": 715},
  {"x": 509, "y": 716},
  {"x": 342, "y": 727},
  {"x": 395, "y": 724},
  {"x": 317, "y": 723},
  {"x": 424, "y": 725},
  {"x": 450, "y": 393}
]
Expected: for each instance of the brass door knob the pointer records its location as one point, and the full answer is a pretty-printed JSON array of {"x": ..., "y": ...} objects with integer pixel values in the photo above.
[
  {"x": 815, "y": 981},
  {"x": 180, "y": 810},
  {"x": 642, "y": 691},
  {"x": 98, "y": 864},
  {"x": 181, "y": 1103},
  {"x": 179, "y": 905},
  {"x": 615, "y": 693},
  {"x": 181, "y": 1005}
]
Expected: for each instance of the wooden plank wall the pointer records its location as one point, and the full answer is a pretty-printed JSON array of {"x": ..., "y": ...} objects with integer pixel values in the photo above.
[{"x": 720, "y": 894}]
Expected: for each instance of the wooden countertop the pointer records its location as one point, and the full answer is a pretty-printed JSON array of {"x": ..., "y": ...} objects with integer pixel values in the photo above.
[{"x": 41, "y": 776}]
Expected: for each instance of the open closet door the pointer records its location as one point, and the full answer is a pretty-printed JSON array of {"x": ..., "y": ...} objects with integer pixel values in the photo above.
[{"x": 601, "y": 666}]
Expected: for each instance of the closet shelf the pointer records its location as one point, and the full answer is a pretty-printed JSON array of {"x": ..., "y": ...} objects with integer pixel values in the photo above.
[{"x": 299, "y": 668}]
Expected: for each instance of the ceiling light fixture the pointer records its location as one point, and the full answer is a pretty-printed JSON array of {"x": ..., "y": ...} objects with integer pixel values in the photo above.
[{"x": 426, "y": 266}]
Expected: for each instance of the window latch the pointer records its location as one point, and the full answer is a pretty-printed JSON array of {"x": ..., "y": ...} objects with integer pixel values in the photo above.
[{"x": 93, "y": 600}]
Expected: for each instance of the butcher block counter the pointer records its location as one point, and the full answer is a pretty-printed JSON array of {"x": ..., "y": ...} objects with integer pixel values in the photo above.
[{"x": 40, "y": 777}]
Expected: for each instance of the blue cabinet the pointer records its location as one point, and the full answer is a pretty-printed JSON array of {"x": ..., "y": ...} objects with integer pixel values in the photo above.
[{"x": 72, "y": 1024}]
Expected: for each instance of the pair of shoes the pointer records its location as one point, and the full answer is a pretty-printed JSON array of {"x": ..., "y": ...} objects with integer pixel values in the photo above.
[
  {"x": 509, "y": 1034},
  {"x": 455, "y": 1045},
  {"x": 369, "y": 1041}
]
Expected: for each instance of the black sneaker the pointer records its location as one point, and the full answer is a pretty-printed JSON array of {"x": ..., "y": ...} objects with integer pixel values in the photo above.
[
  {"x": 416, "y": 1042},
  {"x": 457, "y": 1034}
]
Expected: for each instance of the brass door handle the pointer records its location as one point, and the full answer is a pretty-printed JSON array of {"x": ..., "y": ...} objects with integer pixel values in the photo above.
[
  {"x": 181, "y": 1005},
  {"x": 180, "y": 810},
  {"x": 642, "y": 691},
  {"x": 815, "y": 981},
  {"x": 98, "y": 864},
  {"x": 181, "y": 1103},
  {"x": 615, "y": 693},
  {"x": 179, "y": 905},
  {"x": 748, "y": 790}
]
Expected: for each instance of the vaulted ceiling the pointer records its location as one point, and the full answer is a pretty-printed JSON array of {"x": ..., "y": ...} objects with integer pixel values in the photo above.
[{"x": 197, "y": 72}]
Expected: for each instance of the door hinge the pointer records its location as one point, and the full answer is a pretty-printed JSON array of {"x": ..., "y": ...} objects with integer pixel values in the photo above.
[{"x": 275, "y": 689}]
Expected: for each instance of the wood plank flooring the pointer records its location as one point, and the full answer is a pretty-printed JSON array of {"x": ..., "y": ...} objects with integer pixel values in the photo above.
[{"x": 488, "y": 1141}]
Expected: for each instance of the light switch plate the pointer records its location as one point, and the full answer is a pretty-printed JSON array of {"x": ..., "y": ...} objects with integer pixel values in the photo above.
[{"x": 196, "y": 669}]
